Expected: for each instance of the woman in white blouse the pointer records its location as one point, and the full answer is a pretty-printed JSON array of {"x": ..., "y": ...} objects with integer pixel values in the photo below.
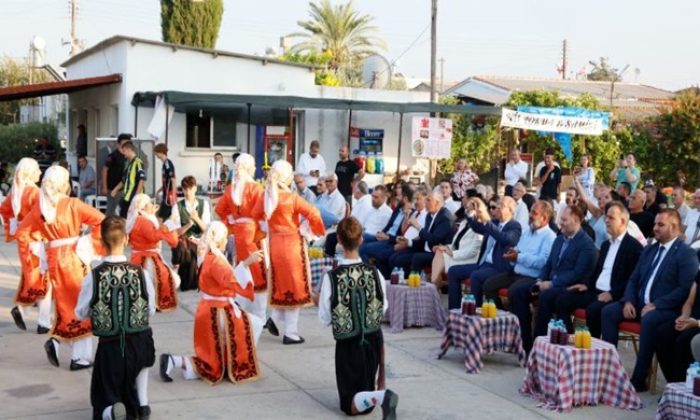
[
  {"x": 586, "y": 175},
  {"x": 465, "y": 245}
]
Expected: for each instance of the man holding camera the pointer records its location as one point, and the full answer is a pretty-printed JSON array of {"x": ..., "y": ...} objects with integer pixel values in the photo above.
[{"x": 626, "y": 171}]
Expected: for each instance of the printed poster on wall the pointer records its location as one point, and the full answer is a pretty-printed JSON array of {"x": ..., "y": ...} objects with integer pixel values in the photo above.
[{"x": 431, "y": 137}]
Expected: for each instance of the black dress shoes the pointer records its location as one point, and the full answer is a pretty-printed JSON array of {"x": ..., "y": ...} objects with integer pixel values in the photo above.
[
  {"x": 17, "y": 317},
  {"x": 144, "y": 412},
  {"x": 287, "y": 340},
  {"x": 42, "y": 330},
  {"x": 391, "y": 400},
  {"x": 51, "y": 353},
  {"x": 74, "y": 365},
  {"x": 271, "y": 327},
  {"x": 164, "y": 359}
]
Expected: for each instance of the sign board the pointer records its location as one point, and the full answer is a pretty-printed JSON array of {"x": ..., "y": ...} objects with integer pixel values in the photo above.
[
  {"x": 551, "y": 123},
  {"x": 431, "y": 138}
]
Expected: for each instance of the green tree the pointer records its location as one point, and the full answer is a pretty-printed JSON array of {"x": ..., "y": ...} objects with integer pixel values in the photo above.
[
  {"x": 341, "y": 32},
  {"x": 14, "y": 72},
  {"x": 18, "y": 140},
  {"x": 324, "y": 75},
  {"x": 675, "y": 142},
  {"x": 192, "y": 23},
  {"x": 602, "y": 71}
]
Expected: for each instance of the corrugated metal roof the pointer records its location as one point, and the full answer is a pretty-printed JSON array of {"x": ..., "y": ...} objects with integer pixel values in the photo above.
[{"x": 11, "y": 93}]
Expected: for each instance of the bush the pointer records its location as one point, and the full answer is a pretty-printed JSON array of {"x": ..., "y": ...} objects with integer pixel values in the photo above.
[{"x": 18, "y": 140}]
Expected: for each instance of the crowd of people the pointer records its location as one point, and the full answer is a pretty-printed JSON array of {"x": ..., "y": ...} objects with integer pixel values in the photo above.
[{"x": 618, "y": 252}]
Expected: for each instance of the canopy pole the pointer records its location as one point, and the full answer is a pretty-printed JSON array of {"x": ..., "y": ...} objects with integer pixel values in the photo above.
[
  {"x": 136, "y": 120},
  {"x": 398, "y": 156},
  {"x": 290, "y": 146},
  {"x": 350, "y": 128},
  {"x": 249, "y": 106},
  {"x": 167, "y": 117}
]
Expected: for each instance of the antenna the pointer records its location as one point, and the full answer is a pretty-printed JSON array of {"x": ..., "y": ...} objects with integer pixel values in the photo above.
[{"x": 376, "y": 72}]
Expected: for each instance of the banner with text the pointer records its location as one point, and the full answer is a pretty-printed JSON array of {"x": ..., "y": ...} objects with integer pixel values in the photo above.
[
  {"x": 431, "y": 138},
  {"x": 552, "y": 123}
]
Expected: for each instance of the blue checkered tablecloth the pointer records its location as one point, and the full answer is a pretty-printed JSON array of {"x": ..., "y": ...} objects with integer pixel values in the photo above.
[
  {"x": 678, "y": 402},
  {"x": 414, "y": 307},
  {"x": 319, "y": 267}
]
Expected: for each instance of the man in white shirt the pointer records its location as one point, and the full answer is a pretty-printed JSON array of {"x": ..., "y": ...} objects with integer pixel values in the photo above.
[
  {"x": 446, "y": 191},
  {"x": 332, "y": 203},
  {"x": 522, "y": 214},
  {"x": 692, "y": 223},
  {"x": 312, "y": 165},
  {"x": 678, "y": 199},
  {"x": 516, "y": 169}
]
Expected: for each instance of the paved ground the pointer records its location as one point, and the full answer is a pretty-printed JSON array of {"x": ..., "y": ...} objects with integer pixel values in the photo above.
[{"x": 298, "y": 381}]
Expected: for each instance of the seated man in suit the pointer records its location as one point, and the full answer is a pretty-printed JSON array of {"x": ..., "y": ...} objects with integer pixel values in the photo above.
[
  {"x": 655, "y": 291},
  {"x": 436, "y": 231},
  {"x": 618, "y": 256},
  {"x": 381, "y": 249},
  {"x": 572, "y": 258},
  {"x": 530, "y": 255},
  {"x": 500, "y": 234}
]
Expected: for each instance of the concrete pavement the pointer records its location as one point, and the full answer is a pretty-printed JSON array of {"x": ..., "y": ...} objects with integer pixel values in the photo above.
[{"x": 298, "y": 382}]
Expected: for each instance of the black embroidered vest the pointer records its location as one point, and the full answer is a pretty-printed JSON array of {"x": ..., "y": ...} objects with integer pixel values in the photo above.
[
  {"x": 185, "y": 217},
  {"x": 119, "y": 299},
  {"x": 357, "y": 301}
]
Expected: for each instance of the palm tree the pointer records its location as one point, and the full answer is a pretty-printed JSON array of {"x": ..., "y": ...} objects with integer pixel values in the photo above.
[{"x": 339, "y": 32}]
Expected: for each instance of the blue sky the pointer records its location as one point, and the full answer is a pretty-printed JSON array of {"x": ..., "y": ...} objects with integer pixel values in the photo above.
[{"x": 498, "y": 37}]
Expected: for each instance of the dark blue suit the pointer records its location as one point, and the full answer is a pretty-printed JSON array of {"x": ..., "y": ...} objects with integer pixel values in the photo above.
[
  {"x": 568, "y": 264},
  {"x": 437, "y": 231},
  {"x": 669, "y": 290},
  {"x": 382, "y": 250},
  {"x": 478, "y": 273}
]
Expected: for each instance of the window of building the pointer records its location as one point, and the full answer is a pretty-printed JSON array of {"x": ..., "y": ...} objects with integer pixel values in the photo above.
[
  {"x": 199, "y": 130},
  {"x": 212, "y": 130}
]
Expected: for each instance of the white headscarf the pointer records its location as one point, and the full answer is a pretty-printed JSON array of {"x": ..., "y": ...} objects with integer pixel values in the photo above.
[
  {"x": 216, "y": 234},
  {"x": 281, "y": 176},
  {"x": 245, "y": 168},
  {"x": 138, "y": 203},
  {"x": 54, "y": 186},
  {"x": 27, "y": 172}
]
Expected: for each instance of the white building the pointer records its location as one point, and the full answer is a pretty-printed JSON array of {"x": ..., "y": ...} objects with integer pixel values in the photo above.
[{"x": 197, "y": 131}]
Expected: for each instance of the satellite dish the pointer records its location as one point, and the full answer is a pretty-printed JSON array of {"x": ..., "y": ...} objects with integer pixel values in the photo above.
[
  {"x": 37, "y": 49},
  {"x": 376, "y": 72}
]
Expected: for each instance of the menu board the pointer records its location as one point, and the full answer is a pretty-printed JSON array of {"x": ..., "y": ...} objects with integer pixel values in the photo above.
[{"x": 431, "y": 138}]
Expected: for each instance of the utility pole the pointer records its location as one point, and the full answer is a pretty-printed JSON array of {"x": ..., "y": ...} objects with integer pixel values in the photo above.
[
  {"x": 73, "y": 31},
  {"x": 564, "y": 63},
  {"x": 433, "y": 47},
  {"x": 442, "y": 75}
]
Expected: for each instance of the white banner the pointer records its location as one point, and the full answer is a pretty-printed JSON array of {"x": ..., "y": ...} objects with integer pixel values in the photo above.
[
  {"x": 551, "y": 123},
  {"x": 431, "y": 138}
]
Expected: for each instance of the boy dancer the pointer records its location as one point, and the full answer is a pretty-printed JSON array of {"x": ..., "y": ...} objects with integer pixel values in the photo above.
[
  {"x": 359, "y": 348},
  {"x": 119, "y": 297}
]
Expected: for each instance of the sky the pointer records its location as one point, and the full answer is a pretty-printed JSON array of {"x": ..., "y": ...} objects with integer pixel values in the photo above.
[{"x": 493, "y": 37}]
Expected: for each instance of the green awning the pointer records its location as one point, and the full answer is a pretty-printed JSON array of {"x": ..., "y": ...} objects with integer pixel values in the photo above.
[{"x": 192, "y": 102}]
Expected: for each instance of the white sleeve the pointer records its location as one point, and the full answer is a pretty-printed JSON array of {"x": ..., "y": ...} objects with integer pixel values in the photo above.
[
  {"x": 382, "y": 282},
  {"x": 82, "y": 309},
  {"x": 323, "y": 165},
  {"x": 175, "y": 216},
  {"x": 324, "y": 301},
  {"x": 206, "y": 213},
  {"x": 151, "y": 292},
  {"x": 242, "y": 274},
  {"x": 301, "y": 165}
]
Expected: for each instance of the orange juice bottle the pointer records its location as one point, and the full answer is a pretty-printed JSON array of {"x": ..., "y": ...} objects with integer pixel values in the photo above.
[
  {"x": 578, "y": 338},
  {"x": 494, "y": 309},
  {"x": 485, "y": 311},
  {"x": 586, "y": 341}
]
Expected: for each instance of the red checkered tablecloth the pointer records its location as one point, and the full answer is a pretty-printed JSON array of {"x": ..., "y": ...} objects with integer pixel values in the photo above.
[
  {"x": 319, "y": 267},
  {"x": 563, "y": 377},
  {"x": 477, "y": 335},
  {"x": 678, "y": 403},
  {"x": 414, "y": 307}
]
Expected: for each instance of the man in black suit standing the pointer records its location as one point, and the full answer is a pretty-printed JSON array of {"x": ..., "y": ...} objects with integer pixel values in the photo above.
[
  {"x": 618, "y": 256},
  {"x": 437, "y": 231},
  {"x": 656, "y": 290}
]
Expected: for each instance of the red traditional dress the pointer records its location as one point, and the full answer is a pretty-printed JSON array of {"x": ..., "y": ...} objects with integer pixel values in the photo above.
[
  {"x": 290, "y": 274},
  {"x": 66, "y": 270},
  {"x": 33, "y": 285},
  {"x": 244, "y": 227},
  {"x": 223, "y": 333},
  {"x": 145, "y": 240}
]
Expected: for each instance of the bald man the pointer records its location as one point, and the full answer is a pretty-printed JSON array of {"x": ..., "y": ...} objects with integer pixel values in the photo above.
[{"x": 347, "y": 172}]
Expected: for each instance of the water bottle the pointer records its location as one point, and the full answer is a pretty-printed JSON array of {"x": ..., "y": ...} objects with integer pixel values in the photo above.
[
  {"x": 379, "y": 164},
  {"x": 690, "y": 375},
  {"x": 402, "y": 276}
]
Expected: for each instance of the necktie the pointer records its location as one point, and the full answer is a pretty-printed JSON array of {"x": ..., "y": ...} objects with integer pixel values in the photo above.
[
  {"x": 460, "y": 235},
  {"x": 643, "y": 290}
]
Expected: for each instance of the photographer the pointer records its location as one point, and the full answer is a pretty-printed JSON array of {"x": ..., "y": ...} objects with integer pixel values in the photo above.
[{"x": 626, "y": 171}]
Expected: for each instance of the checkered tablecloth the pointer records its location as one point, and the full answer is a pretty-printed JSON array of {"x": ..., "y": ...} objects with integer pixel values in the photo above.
[
  {"x": 477, "y": 335},
  {"x": 414, "y": 307},
  {"x": 678, "y": 403},
  {"x": 563, "y": 377},
  {"x": 319, "y": 267}
]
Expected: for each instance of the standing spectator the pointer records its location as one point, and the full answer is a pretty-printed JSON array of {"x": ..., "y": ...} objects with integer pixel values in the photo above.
[
  {"x": 134, "y": 178},
  {"x": 112, "y": 174},
  {"x": 522, "y": 213},
  {"x": 168, "y": 182},
  {"x": 549, "y": 177},
  {"x": 463, "y": 179},
  {"x": 81, "y": 146},
  {"x": 642, "y": 218},
  {"x": 516, "y": 169},
  {"x": 626, "y": 171},
  {"x": 232, "y": 172},
  {"x": 302, "y": 189},
  {"x": 585, "y": 175},
  {"x": 678, "y": 199},
  {"x": 347, "y": 172},
  {"x": 692, "y": 220},
  {"x": 44, "y": 153},
  {"x": 312, "y": 165},
  {"x": 86, "y": 177}
]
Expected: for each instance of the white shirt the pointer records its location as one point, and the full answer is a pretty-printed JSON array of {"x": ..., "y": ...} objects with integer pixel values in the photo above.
[
  {"x": 522, "y": 215},
  {"x": 683, "y": 210},
  {"x": 206, "y": 212},
  {"x": 691, "y": 223},
  {"x": 452, "y": 205},
  {"x": 360, "y": 207},
  {"x": 324, "y": 302},
  {"x": 412, "y": 232},
  {"x": 82, "y": 309},
  {"x": 650, "y": 283},
  {"x": 307, "y": 164},
  {"x": 373, "y": 219},
  {"x": 515, "y": 173},
  {"x": 333, "y": 202},
  {"x": 603, "y": 282}
]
